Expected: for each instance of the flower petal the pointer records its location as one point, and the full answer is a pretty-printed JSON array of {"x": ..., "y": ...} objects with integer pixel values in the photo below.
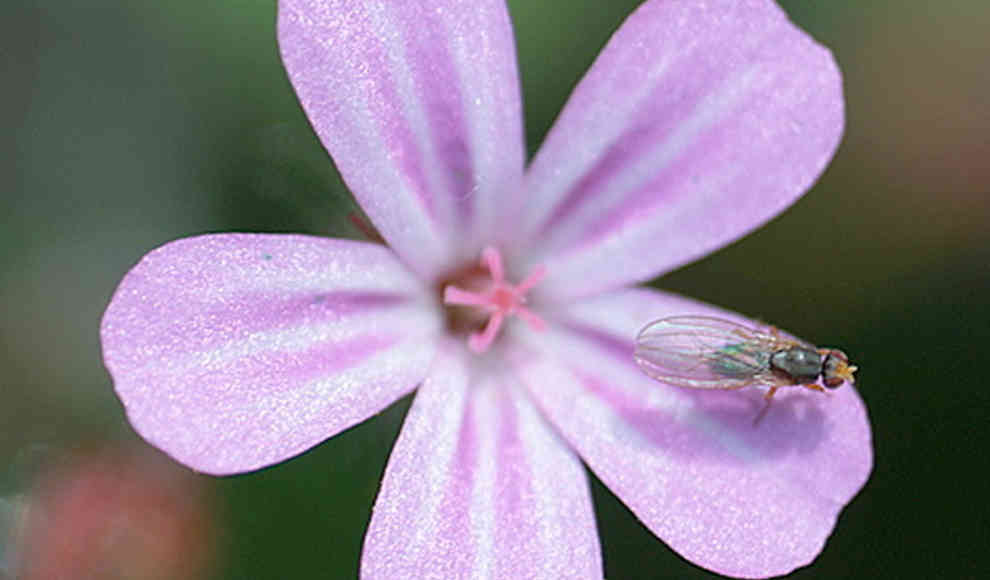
[
  {"x": 737, "y": 498},
  {"x": 232, "y": 352},
  {"x": 419, "y": 104},
  {"x": 699, "y": 121},
  {"x": 479, "y": 486}
]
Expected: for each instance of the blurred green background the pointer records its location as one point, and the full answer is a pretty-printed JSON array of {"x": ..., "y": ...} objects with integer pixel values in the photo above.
[{"x": 128, "y": 123}]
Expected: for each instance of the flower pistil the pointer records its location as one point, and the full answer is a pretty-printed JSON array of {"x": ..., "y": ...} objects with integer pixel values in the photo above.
[{"x": 501, "y": 299}]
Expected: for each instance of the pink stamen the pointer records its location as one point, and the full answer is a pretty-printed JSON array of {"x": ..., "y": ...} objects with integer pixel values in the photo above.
[
  {"x": 480, "y": 341},
  {"x": 534, "y": 321},
  {"x": 454, "y": 295},
  {"x": 493, "y": 261},
  {"x": 534, "y": 278},
  {"x": 501, "y": 299}
]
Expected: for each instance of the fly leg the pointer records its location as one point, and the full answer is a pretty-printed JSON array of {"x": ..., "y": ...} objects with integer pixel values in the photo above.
[
  {"x": 814, "y": 387},
  {"x": 766, "y": 407}
]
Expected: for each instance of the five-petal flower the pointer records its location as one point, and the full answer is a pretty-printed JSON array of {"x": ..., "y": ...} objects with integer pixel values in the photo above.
[{"x": 699, "y": 121}]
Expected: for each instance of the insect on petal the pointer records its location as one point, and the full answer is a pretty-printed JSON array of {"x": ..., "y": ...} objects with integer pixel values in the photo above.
[
  {"x": 688, "y": 462},
  {"x": 703, "y": 352}
]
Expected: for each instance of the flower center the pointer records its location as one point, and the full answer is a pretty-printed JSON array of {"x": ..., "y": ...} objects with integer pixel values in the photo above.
[{"x": 499, "y": 300}]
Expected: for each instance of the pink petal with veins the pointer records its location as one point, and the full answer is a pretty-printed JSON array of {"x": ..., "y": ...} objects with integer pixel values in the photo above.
[
  {"x": 698, "y": 122},
  {"x": 419, "y": 105},
  {"x": 235, "y": 351},
  {"x": 479, "y": 486}
]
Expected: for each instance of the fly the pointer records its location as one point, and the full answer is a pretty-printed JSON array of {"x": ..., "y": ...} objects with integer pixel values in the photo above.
[{"x": 702, "y": 352}]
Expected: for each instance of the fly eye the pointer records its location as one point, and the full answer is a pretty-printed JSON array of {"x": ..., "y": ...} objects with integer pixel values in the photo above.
[{"x": 837, "y": 370}]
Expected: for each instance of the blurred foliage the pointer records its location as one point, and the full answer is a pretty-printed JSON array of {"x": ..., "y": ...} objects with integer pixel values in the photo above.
[{"x": 130, "y": 123}]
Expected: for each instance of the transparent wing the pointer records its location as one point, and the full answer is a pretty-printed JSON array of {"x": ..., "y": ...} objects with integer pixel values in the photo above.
[{"x": 706, "y": 353}]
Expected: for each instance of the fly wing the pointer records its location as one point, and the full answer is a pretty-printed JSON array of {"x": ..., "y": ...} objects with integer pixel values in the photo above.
[{"x": 704, "y": 352}]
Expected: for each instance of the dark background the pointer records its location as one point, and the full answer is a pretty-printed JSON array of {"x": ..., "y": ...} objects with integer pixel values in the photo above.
[{"x": 128, "y": 123}]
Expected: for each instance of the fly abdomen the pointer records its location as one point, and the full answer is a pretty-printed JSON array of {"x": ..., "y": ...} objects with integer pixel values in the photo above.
[{"x": 739, "y": 361}]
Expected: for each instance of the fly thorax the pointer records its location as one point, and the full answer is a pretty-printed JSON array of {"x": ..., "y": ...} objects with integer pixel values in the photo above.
[{"x": 800, "y": 363}]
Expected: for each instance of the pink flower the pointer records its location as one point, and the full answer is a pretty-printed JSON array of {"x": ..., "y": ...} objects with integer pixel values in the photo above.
[{"x": 505, "y": 296}]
